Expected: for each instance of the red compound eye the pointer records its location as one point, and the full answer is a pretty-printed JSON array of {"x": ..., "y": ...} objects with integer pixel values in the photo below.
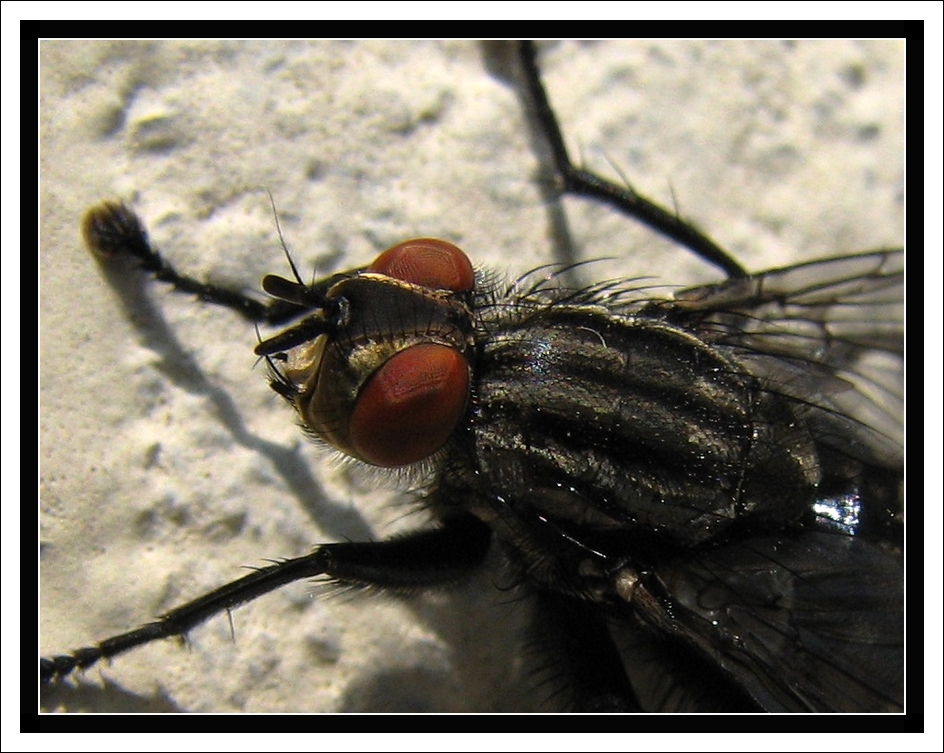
[
  {"x": 429, "y": 262},
  {"x": 410, "y": 406}
]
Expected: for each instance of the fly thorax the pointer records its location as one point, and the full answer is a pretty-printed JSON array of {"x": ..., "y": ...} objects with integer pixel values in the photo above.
[{"x": 634, "y": 424}]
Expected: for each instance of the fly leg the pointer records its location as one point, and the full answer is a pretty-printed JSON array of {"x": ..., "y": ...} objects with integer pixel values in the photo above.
[
  {"x": 581, "y": 182},
  {"x": 575, "y": 638},
  {"x": 422, "y": 559},
  {"x": 112, "y": 231}
]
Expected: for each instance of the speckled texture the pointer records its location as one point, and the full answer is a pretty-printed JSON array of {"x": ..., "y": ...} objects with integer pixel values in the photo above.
[{"x": 166, "y": 462}]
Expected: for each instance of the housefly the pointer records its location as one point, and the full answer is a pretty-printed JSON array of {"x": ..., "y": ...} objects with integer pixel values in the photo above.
[{"x": 236, "y": 487}]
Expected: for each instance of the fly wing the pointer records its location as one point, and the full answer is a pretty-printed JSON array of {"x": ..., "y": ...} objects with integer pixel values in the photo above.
[
  {"x": 829, "y": 334},
  {"x": 807, "y": 623}
]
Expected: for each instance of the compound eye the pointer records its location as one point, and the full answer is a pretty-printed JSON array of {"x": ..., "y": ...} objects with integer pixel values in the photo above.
[
  {"x": 429, "y": 262},
  {"x": 410, "y": 406}
]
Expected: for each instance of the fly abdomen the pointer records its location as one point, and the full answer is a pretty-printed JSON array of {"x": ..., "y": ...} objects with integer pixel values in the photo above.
[{"x": 643, "y": 424}]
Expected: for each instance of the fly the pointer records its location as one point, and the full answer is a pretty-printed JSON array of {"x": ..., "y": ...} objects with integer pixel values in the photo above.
[{"x": 640, "y": 580}]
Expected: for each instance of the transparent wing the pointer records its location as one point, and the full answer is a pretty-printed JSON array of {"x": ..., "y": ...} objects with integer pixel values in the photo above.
[
  {"x": 807, "y": 623},
  {"x": 829, "y": 334}
]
